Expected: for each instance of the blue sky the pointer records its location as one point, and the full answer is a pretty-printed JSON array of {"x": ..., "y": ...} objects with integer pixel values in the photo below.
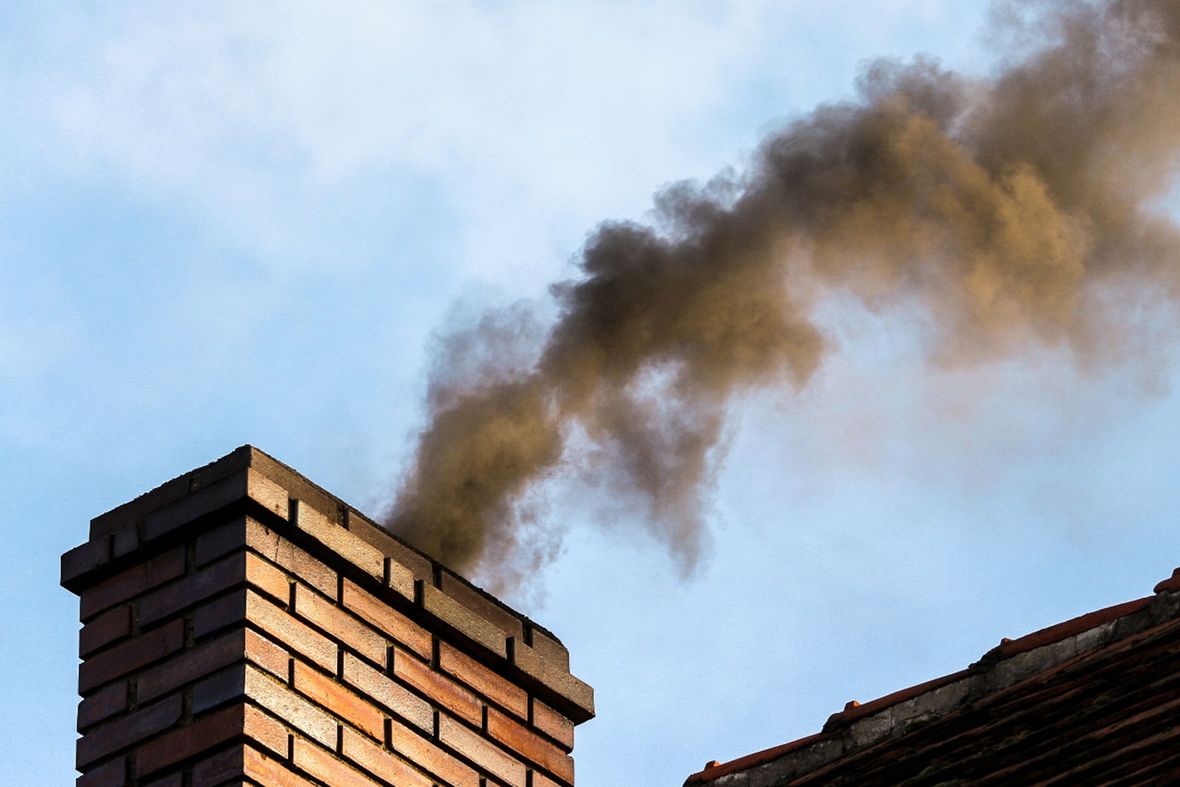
[{"x": 244, "y": 223}]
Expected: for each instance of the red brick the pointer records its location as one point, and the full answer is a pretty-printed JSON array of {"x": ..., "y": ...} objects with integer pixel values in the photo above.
[
  {"x": 221, "y": 767},
  {"x": 266, "y": 654},
  {"x": 548, "y": 646},
  {"x": 389, "y": 694},
  {"x": 485, "y": 681},
  {"x": 275, "y": 697},
  {"x": 341, "y": 542},
  {"x": 109, "y": 738},
  {"x": 102, "y": 704},
  {"x": 338, "y": 699},
  {"x": 110, "y": 774},
  {"x": 464, "y": 620},
  {"x": 553, "y": 724},
  {"x": 438, "y": 687},
  {"x": 344, "y": 629},
  {"x": 219, "y": 688},
  {"x": 283, "y": 553},
  {"x": 379, "y": 762},
  {"x": 209, "y": 732},
  {"x": 260, "y": 768},
  {"x": 132, "y": 582},
  {"x": 541, "y": 780},
  {"x": 110, "y": 626},
  {"x": 393, "y": 623},
  {"x": 131, "y": 655},
  {"x": 421, "y": 752},
  {"x": 326, "y": 767},
  {"x": 530, "y": 745},
  {"x": 277, "y": 624},
  {"x": 474, "y": 747},
  {"x": 190, "y": 665}
]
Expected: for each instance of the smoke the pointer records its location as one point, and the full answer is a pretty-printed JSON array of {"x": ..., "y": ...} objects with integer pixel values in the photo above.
[{"x": 1010, "y": 210}]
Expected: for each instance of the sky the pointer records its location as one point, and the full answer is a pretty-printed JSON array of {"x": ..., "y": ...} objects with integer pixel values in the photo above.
[{"x": 251, "y": 223}]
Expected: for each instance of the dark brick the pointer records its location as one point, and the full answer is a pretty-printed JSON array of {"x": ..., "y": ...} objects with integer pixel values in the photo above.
[
  {"x": 110, "y": 626},
  {"x": 209, "y": 732},
  {"x": 112, "y": 773},
  {"x": 247, "y": 485},
  {"x": 219, "y": 688},
  {"x": 132, "y": 582},
  {"x": 102, "y": 704},
  {"x": 211, "y": 580},
  {"x": 109, "y": 738},
  {"x": 131, "y": 655},
  {"x": 83, "y": 560},
  {"x": 190, "y": 665}
]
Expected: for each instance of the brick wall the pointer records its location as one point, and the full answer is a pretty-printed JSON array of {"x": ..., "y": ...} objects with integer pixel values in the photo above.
[{"x": 241, "y": 625}]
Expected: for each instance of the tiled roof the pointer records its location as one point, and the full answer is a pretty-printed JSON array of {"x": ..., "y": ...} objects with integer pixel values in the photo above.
[{"x": 1093, "y": 699}]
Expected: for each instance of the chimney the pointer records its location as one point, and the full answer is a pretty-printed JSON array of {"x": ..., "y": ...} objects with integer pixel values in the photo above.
[{"x": 240, "y": 623}]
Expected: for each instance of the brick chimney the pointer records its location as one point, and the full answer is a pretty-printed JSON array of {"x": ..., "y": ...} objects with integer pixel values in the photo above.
[{"x": 242, "y": 625}]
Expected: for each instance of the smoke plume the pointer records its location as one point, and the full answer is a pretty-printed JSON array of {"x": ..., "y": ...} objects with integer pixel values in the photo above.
[{"x": 1007, "y": 209}]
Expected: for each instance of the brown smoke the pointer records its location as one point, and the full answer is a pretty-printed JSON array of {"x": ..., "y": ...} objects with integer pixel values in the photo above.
[{"x": 1003, "y": 208}]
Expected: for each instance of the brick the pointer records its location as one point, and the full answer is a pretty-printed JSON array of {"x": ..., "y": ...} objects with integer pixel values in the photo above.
[
  {"x": 220, "y": 768},
  {"x": 541, "y": 780},
  {"x": 111, "y": 626},
  {"x": 438, "y": 687},
  {"x": 380, "y": 762},
  {"x": 236, "y": 569},
  {"x": 555, "y": 677},
  {"x": 481, "y": 604},
  {"x": 341, "y": 542},
  {"x": 248, "y": 485},
  {"x": 280, "y": 551},
  {"x": 102, "y": 704},
  {"x": 219, "y": 688},
  {"x": 258, "y": 767},
  {"x": 529, "y": 745},
  {"x": 474, "y": 747},
  {"x": 389, "y": 694},
  {"x": 296, "y": 711},
  {"x": 171, "y": 780},
  {"x": 112, "y": 773},
  {"x": 345, "y": 629},
  {"x": 276, "y": 623},
  {"x": 326, "y": 767},
  {"x": 463, "y": 620},
  {"x": 491, "y": 685},
  {"x": 82, "y": 560},
  {"x": 266, "y": 654},
  {"x": 337, "y": 698},
  {"x": 119, "y": 734},
  {"x": 553, "y": 724},
  {"x": 421, "y": 752},
  {"x": 387, "y": 619},
  {"x": 209, "y": 732},
  {"x": 417, "y": 565},
  {"x": 190, "y": 665},
  {"x": 130, "y": 655},
  {"x": 132, "y": 582},
  {"x": 548, "y": 646}
]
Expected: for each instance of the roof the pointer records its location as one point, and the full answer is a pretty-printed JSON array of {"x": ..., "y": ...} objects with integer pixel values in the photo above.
[{"x": 1095, "y": 698}]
